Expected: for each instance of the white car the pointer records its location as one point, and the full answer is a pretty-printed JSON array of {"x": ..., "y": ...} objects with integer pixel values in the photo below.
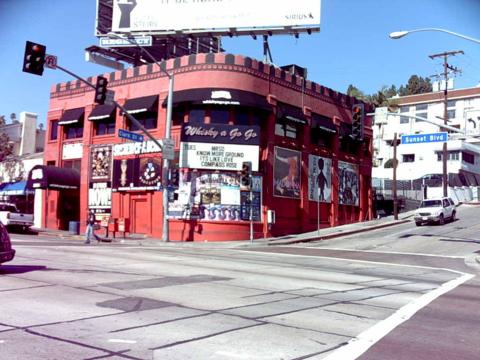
[{"x": 435, "y": 210}]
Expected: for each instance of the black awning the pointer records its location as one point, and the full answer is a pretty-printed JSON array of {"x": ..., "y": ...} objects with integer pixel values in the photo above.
[
  {"x": 142, "y": 104},
  {"x": 291, "y": 113},
  {"x": 71, "y": 116},
  {"x": 102, "y": 112},
  {"x": 227, "y": 97},
  {"x": 323, "y": 123},
  {"x": 53, "y": 177}
]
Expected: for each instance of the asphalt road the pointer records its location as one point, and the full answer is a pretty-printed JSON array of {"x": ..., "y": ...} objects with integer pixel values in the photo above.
[{"x": 396, "y": 293}]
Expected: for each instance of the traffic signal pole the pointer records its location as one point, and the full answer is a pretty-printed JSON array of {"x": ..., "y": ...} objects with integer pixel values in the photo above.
[{"x": 130, "y": 116}]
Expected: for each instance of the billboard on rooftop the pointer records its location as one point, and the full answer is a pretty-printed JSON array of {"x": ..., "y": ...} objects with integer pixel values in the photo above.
[{"x": 211, "y": 17}]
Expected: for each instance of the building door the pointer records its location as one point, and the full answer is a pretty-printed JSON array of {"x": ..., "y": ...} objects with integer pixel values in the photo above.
[{"x": 141, "y": 217}]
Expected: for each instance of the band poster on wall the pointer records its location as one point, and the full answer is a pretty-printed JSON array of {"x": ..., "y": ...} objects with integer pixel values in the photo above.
[
  {"x": 207, "y": 195},
  {"x": 100, "y": 189},
  {"x": 286, "y": 173},
  {"x": 348, "y": 183},
  {"x": 137, "y": 174},
  {"x": 319, "y": 179}
]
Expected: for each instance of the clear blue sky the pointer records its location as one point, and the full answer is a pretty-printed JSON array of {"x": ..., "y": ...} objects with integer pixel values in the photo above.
[{"x": 352, "y": 47}]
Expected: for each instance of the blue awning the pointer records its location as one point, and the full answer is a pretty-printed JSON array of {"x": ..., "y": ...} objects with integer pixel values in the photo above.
[{"x": 16, "y": 188}]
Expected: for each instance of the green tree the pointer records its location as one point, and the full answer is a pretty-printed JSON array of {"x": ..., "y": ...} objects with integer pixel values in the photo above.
[
  {"x": 6, "y": 148},
  {"x": 416, "y": 85},
  {"x": 355, "y": 92}
]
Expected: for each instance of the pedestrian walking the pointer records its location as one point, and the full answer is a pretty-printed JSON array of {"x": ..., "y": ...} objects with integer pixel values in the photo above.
[{"x": 90, "y": 224}]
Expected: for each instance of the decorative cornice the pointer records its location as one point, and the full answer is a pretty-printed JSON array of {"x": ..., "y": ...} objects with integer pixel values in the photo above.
[{"x": 242, "y": 64}]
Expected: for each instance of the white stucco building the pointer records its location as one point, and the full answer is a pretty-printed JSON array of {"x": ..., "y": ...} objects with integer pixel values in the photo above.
[
  {"x": 28, "y": 143},
  {"x": 424, "y": 160}
]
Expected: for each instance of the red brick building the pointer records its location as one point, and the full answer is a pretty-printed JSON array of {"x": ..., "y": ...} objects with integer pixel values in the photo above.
[{"x": 226, "y": 110}]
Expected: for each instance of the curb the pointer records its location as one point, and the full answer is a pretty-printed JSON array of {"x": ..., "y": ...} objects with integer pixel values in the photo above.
[{"x": 336, "y": 234}]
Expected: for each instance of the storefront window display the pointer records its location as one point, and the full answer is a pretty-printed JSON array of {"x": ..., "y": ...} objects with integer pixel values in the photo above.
[{"x": 208, "y": 195}]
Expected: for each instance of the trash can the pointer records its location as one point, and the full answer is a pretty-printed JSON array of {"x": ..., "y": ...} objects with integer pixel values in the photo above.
[{"x": 74, "y": 227}]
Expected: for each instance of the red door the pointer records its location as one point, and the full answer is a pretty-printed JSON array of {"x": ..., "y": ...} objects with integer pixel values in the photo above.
[{"x": 141, "y": 217}]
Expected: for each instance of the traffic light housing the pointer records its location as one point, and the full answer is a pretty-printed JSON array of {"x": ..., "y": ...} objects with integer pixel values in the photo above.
[
  {"x": 174, "y": 177},
  {"x": 101, "y": 90},
  {"x": 246, "y": 174},
  {"x": 358, "y": 119},
  {"x": 34, "y": 58}
]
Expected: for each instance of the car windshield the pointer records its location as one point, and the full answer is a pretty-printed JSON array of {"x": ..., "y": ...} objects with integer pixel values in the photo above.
[{"x": 431, "y": 203}]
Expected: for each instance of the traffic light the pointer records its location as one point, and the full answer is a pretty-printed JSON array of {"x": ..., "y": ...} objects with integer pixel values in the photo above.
[
  {"x": 246, "y": 174},
  {"x": 101, "y": 90},
  {"x": 34, "y": 58},
  {"x": 358, "y": 118}
]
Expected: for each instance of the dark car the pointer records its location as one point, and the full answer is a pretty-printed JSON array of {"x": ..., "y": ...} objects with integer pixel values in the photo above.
[{"x": 6, "y": 251}]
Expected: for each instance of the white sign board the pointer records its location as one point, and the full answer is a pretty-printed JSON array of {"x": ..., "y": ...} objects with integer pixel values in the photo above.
[
  {"x": 135, "y": 148},
  {"x": 197, "y": 16},
  {"x": 168, "y": 149},
  {"x": 72, "y": 151},
  {"x": 217, "y": 156}
]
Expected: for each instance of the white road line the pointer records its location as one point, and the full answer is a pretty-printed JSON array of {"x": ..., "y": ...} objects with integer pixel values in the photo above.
[
  {"x": 357, "y": 346},
  {"x": 381, "y": 252},
  {"x": 122, "y": 341}
]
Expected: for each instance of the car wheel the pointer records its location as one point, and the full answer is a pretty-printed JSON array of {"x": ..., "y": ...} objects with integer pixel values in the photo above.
[
  {"x": 418, "y": 223},
  {"x": 452, "y": 219},
  {"x": 441, "y": 220}
]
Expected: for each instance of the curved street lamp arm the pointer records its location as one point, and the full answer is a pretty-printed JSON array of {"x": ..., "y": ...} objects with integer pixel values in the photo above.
[{"x": 399, "y": 34}]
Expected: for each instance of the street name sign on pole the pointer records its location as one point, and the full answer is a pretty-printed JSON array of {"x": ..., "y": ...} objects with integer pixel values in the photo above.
[
  {"x": 425, "y": 138},
  {"x": 168, "y": 149},
  {"x": 118, "y": 42},
  {"x": 129, "y": 135}
]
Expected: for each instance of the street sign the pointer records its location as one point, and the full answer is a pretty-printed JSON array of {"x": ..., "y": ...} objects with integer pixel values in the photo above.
[
  {"x": 168, "y": 149},
  {"x": 130, "y": 135},
  {"x": 425, "y": 138},
  {"x": 51, "y": 61},
  {"x": 126, "y": 42}
]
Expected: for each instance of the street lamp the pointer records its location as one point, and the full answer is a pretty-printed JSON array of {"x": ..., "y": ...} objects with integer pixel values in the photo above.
[
  {"x": 168, "y": 128},
  {"x": 402, "y": 33}
]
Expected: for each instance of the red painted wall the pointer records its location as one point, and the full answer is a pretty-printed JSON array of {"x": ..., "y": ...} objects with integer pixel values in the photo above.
[{"x": 145, "y": 209}]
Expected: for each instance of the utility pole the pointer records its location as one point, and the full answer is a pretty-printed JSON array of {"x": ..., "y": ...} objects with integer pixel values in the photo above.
[
  {"x": 446, "y": 67},
  {"x": 394, "y": 185}
]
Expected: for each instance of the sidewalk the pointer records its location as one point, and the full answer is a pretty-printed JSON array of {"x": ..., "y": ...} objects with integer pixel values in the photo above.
[{"x": 325, "y": 233}]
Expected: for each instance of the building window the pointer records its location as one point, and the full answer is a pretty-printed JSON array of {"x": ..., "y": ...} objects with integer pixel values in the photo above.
[
  {"x": 178, "y": 116},
  {"x": 404, "y": 119},
  {"x": 452, "y": 155},
  {"x": 421, "y": 111},
  {"x": 196, "y": 115},
  {"x": 147, "y": 119},
  {"x": 73, "y": 164},
  {"x": 54, "y": 130},
  {"x": 218, "y": 116},
  {"x": 468, "y": 157},
  {"x": 453, "y": 132},
  {"x": 408, "y": 158},
  {"x": 451, "y": 114},
  {"x": 321, "y": 138},
  {"x": 73, "y": 131},
  {"x": 242, "y": 117},
  {"x": 105, "y": 126},
  {"x": 286, "y": 129}
]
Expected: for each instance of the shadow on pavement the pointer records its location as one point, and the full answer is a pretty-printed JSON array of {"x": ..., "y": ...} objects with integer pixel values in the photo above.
[{"x": 20, "y": 269}]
